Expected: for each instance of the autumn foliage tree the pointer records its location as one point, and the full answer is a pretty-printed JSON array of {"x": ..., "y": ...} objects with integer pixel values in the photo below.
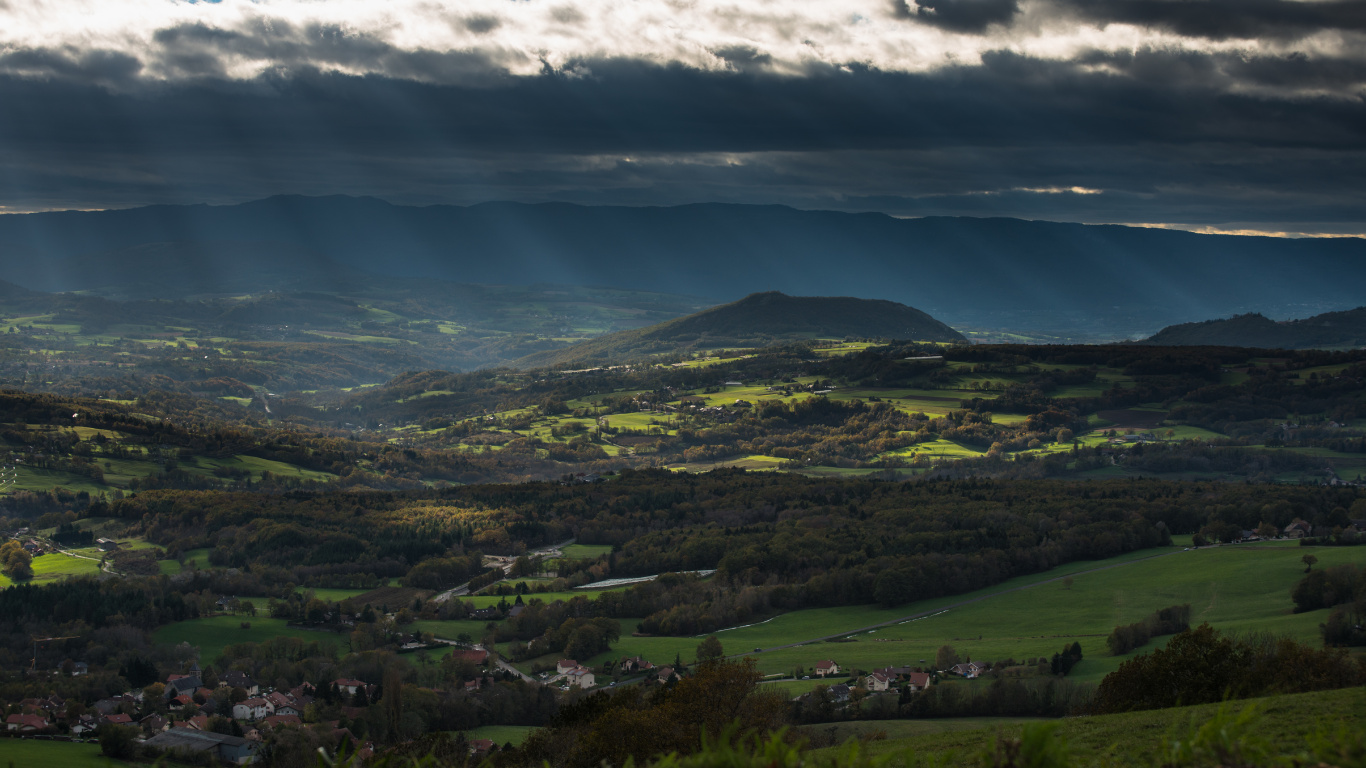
[{"x": 15, "y": 561}]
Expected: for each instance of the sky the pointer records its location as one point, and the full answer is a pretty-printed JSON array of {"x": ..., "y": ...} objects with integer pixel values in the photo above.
[{"x": 1208, "y": 115}]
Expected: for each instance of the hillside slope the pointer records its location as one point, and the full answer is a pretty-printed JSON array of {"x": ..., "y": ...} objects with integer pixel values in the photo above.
[
  {"x": 1331, "y": 329},
  {"x": 757, "y": 320}
]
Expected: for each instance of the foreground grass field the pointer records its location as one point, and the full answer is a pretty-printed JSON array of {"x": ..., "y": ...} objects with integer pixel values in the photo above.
[
  {"x": 1134, "y": 738},
  {"x": 27, "y": 753},
  {"x": 1235, "y": 588}
]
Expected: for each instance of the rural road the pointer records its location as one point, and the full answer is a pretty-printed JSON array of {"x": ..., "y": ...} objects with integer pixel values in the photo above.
[
  {"x": 950, "y": 606},
  {"x": 464, "y": 589}
]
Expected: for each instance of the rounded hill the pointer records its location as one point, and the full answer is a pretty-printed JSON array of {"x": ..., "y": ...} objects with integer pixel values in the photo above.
[{"x": 760, "y": 319}]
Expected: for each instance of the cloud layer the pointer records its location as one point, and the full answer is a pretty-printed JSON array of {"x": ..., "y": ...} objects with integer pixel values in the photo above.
[{"x": 1208, "y": 113}]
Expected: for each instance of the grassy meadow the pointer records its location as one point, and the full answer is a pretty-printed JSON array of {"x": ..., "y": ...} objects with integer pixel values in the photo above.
[
  {"x": 28, "y": 753},
  {"x": 1133, "y": 738},
  {"x": 1237, "y": 588},
  {"x": 212, "y": 634}
]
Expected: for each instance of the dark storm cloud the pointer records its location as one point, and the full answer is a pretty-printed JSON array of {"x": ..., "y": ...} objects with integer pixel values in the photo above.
[
  {"x": 1005, "y": 107},
  {"x": 1228, "y": 19},
  {"x": 1157, "y": 133},
  {"x": 971, "y": 16}
]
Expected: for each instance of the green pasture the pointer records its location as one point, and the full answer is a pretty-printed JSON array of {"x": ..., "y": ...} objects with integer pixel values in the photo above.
[
  {"x": 55, "y": 566},
  {"x": 750, "y": 462},
  {"x": 1235, "y": 588},
  {"x": 586, "y": 551},
  {"x": 1133, "y": 738},
  {"x": 908, "y": 729},
  {"x": 195, "y": 559},
  {"x": 451, "y": 630},
  {"x": 26, "y": 478},
  {"x": 212, "y": 634},
  {"x": 28, "y": 753},
  {"x": 795, "y": 688},
  {"x": 204, "y": 465},
  {"x": 502, "y": 734},
  {"x": 486, "y": 601},
  {"x": 333, "y": 595}
]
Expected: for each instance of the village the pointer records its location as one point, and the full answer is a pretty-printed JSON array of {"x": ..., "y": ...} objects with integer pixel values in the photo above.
[{"x": 231, "y": 717}]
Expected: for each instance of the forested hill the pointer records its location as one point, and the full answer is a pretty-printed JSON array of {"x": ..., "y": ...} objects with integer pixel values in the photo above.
[
  {"x": 962, "y": 270},
  {"x": 759, "y": 319},
  {"x": 1329, "y": 330}
]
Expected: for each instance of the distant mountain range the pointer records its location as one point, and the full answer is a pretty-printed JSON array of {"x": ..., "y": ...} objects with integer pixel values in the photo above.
[
  {"x": 965, "y": 271},
  {"x": 757, "y": 320},
  {"x": 1329, "y": 330}
]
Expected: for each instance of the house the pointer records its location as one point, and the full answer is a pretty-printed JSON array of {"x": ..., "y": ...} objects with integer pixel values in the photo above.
[
  {"x": 188, "y": 741},
  {"x": 878, "y": 682},
  {"x": 348, "y": 686},
  {"x": 917, "y": 681},
  {"x": 235, "y": 679},
  {"x": 634, "y": 664},
  {"x": 969, "y": 670},
  {"x": 1298, "y": 529},
  {"x": 119, "y": 719},
  {"x": 479, "y": 747},
  {"x": 565, "y": 666},
  {"x": 106, "y": 545},
  {"x": 84, "y": 724},
  {"x": 826, "y": 668},
  {"x": 290, "y": 709},
  {"x": 277, "y": 700},
  {"x": 252, "y": 709},
  {"x": 485, "y": 613},
  {"x": 839, "y": 693},
  {"x": 274, "y": 721},
  {"x": 582, "y": 677},
  {"x": 154, "y": 724},
  {"x": 199, "y": 722},
  {"x": 665, "y": 675},
  {"x": 476, "y": 656},
  {"x": 180, "y": 702},
  {"x": 26, "y": 723},
  {"x": 181, "y": 685},
  {"x": 80, "y": 668}
]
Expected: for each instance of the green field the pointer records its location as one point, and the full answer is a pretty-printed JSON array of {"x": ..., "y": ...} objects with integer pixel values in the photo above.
[
  {"x": 451, "y": 630},
  {"x": 502, "y": 734},
  {"x": 1135, "y": 738},
  {"x": 1235, "y": 588},
  {"x": 213, "y": 633},
  {"x": 586, "y": 551},
  {"x": 333, "y": 595},
  {"x": 54, "y": 566},
  {"x": 27, "y": 753}
]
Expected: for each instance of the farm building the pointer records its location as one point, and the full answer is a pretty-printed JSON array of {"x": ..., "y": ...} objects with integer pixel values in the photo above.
[
  {"x": 229, "y": 749},
  {"x": 107, "y": 545}
]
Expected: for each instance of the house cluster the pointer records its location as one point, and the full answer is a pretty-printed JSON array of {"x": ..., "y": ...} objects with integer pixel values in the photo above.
[
  {"x": 180, "y": 721},
  {"x": 886, "y": 679}
]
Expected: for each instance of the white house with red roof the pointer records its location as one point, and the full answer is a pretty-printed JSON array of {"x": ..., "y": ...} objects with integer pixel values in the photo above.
[{"x": 826, "y": 668}]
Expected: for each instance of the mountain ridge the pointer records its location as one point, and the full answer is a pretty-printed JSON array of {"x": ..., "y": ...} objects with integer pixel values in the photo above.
[
  {"x": 757, "y": 320},
  {"x": 1330, "y": 329},
  {"x": 967, "y": 271}
]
